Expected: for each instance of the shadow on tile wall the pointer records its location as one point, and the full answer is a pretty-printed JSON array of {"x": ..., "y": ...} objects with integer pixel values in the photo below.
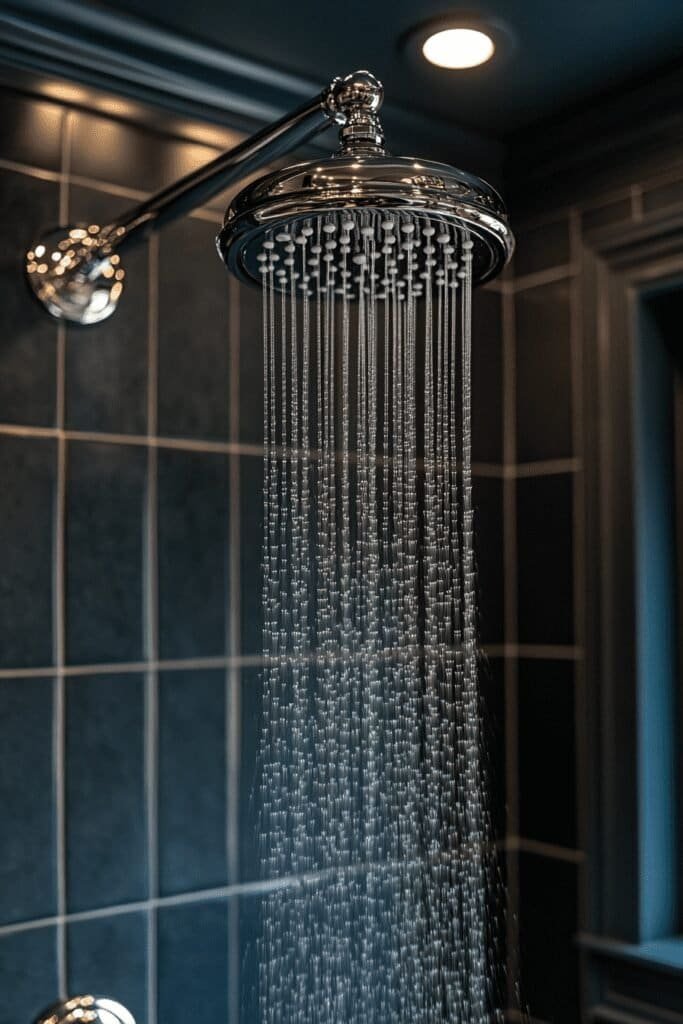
[{"x": 130, "y": 547}]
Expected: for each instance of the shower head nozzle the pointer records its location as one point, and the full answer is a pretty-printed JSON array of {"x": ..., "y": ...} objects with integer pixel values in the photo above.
[
  {"x": 362, "y": 177},
  {"x": 307, "y": 195}
]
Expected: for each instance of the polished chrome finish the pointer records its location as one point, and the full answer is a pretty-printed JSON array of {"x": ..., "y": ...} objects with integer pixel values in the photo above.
[
  {"x": 310, "y": 191},
  {"x": 76, "y": 274},
  {"x": 358, "y": 98},
  {"x": 74, "y": 288},
  {"x": 86, "y": 1010}
]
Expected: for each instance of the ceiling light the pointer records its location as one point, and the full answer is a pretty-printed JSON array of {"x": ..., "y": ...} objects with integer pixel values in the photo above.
[{"x": 458, "y": 48}]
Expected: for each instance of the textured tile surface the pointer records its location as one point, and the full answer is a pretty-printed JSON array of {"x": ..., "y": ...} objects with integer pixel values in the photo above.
[
  {"x": 28, "y": 346},
  {"x": 193, "y": 553},
  {"x": 487, "y": 376},
  {"x": 106, "y": 854},
  {"x": 108, "y": 956},
  {"x": 250, "y": 730},
  {"x": 547, "y": 926},
  {"x": 28, "y": 974},
  {"x": 104, "y": 548},
  {"x": 28, "y": 467},
  {"x": 30, "y": 130},
  {"x": 194, "y": 346},
  {"x": 543, "y": 372},
  {"x": 192, "y": 781},
  {"x": 547, "y": 775},
  {"x": 487, "y": 495},
  {"x": 193, "y": 963},
  {"x": 544, "y": 553},
  {"x": 27, "y": 847},
  {"x": 106, "y": 365},
  {"x": 251, "y": 520}
]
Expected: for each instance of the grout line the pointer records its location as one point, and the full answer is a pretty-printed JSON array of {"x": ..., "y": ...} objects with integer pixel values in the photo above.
[
  {"x": 110, "y": 188},
  {"x": 544, "y": 652},
  {"x": 579, "y": 572},
  {"x": 123, "y": 667},
  {"x": 510, "y": 629},
  {"x": 541, "y": 467},
  {"x": 548, "y": 276},
  {"x": 637, "y": 202},
  {"x": 549, "y": 651},
  {"x": 545, "y": 467},
  {"x": 233, "y": 678},
  {"x": 552, "y": 851},
  {"x": 151, "y": 626},
  {"x": 59, "y": 597}
]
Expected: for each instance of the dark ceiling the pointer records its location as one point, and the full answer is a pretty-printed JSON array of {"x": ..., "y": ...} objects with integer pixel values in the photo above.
[{"x": 564, "y": 53}]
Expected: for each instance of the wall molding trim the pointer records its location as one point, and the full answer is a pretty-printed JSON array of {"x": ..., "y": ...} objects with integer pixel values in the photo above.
[{"x": 98, "y": 46}]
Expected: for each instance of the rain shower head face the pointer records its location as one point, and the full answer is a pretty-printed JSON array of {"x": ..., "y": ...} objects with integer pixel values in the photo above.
[{"x": 265, "y": 218}]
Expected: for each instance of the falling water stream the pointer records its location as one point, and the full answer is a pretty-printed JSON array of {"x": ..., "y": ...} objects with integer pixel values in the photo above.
[{"x": 372, "y": 795}]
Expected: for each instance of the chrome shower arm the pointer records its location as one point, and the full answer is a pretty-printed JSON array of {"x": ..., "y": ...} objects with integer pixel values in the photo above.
[
  {"x": 198, "y": 187},
  {"x": 76, "y": 272}
]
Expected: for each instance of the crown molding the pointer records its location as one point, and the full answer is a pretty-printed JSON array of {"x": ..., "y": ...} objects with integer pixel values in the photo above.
[{"x": 97, "y": 46}]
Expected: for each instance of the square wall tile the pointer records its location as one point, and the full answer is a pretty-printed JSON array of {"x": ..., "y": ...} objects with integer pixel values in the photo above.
[
  {"x": 192, "y": 781},
  {"x": 108, "y": 956},
  {"x": 194, "y": 333},
  {"x": 193, "y": 553},
  {"x": 27, "y": 840},
  {"x": 108, "y": 149},
  {"x": 106, "y": 805},
  {"x": 28, "y": 974},
  {"x": 547, "y": 938},
  {"x": 106, "y": 364},
  {"x": 251, "y": 707},
  {"x": 192, "y": 957},
  {"x": 251, "y": 541},
  {"x": 487, "y": 376},
  {"x": 541, "y": 246},
  {"x": 488, "y": 543},
  {"x": 26, "y": 550},
  {"x": 31, "y": 131},
  {"x": 543, "y": 371},
  {"x": 492, "y": 695},
  {"x": 545, "y": 588},
  {"x": 547, "y": 770},
  {"x": 104, "y": 552},
  {"x": 250, "y": 911},
  {"x": 250, "y": 364},
  {"x": 28, "y": 363}
]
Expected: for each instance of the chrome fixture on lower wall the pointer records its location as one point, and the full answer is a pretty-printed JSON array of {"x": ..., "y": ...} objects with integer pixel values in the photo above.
[
  {"x": 76, "y": 273},
  {"x": 86, "y": 1010}
]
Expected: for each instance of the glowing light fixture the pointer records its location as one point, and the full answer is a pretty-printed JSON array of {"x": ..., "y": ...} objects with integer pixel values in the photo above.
[{"x": 458, "y": 48}]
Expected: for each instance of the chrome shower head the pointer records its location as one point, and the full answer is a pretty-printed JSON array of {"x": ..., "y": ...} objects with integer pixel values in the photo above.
[{"x": 361, "y": 177}]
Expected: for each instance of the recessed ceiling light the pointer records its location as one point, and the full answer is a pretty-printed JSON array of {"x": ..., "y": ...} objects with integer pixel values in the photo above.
[{"x": 458, "y": 48}]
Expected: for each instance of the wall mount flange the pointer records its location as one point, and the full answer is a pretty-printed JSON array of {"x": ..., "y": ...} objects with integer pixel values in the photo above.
[{"x": 75, "y": 273}]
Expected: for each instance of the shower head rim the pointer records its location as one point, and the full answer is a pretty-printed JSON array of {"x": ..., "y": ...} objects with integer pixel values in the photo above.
[{"x": 403, "y": 184}]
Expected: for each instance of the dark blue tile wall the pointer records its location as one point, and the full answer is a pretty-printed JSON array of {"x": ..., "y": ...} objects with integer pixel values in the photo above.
[
  {"x": 27, "y": 840},
  {"x": 106, "y": 366},
  {"x": 26, "y": 549},
  {"x": 28, "y": 973},
  {"x": 29, "y": 339},
  {"x": 193, "y": 531},
  {"x": 192, "y": 781},
  {"x": 104, "y": 551},
  {"x": 193, "y": 952},
  {"x": 129, "y": 725},
  {"x": 105, "y": 838},
  {"x": 109, "y": 955}
]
